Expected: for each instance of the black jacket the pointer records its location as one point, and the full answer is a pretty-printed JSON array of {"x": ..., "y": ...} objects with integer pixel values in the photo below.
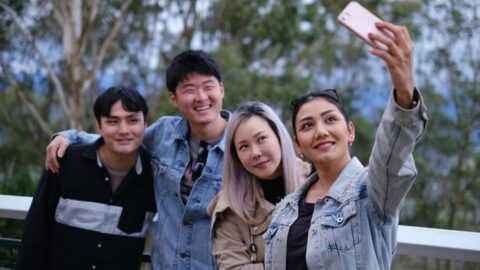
[{"x": 86, "y": 233}]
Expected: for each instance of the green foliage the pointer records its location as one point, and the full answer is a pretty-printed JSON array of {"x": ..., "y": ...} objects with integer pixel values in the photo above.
[{"x": 271, "y": 51}]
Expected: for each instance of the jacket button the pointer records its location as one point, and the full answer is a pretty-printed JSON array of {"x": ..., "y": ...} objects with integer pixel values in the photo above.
[
  {"x": 94, "y": 267},
  {"x": 183, "y": 255},
  {"x": 339, "y": 219},
  {"x": 107, "y": 178},
  {"x": 99, "y": 245}
]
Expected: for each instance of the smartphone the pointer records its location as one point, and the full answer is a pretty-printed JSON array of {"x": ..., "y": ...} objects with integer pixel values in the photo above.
[{"x": 360, "y": 21}]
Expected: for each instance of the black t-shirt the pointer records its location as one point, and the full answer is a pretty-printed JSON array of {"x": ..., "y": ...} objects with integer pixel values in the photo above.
[
  {"x": 273, "y": 190},
  {"x": 298, "y": 237}
]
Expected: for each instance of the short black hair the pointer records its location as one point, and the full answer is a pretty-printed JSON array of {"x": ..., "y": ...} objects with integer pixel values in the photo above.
[
  {"x": 188, "y": 63},
  {"x": 131, "y": 99}
]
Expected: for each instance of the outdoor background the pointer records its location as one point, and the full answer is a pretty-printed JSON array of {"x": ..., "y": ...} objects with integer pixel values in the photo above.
[{"x": 56, "y": 56}]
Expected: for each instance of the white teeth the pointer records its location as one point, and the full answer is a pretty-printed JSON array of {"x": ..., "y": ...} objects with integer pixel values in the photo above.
[{"x": 202, "y": 108}]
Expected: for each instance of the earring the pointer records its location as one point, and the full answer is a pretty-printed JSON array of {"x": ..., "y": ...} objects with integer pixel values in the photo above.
[{"x": 350, "y": 143}]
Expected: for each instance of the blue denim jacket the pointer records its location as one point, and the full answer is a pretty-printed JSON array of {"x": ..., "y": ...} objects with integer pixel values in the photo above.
[
  {"x": 181, "y": 234},
  {"x": 355, "y": 225}
]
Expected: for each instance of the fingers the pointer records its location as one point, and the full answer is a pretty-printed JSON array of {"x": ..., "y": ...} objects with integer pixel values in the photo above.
[
  {"x": 62, "y": 149},
  {"x": 56, "y": 148},
  {"x": 51, "y": 162},
  {"x": 400, "y": 33},
  {"x": 398, "y": 57},
  {"x": 400, "y": 48},
  {"x": 387, "y": 55},
  {"x": 400, "y": 42}
]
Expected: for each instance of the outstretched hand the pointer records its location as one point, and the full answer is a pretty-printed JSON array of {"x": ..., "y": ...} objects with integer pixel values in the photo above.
[
  {"x": 399, "y": 60},
  {"x": 56, "y": 148}
]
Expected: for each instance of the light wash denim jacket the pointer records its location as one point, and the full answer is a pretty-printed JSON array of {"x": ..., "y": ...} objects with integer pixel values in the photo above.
[
  {"x": 181, "y": 234},
  {"x": 355, "y": 225}
]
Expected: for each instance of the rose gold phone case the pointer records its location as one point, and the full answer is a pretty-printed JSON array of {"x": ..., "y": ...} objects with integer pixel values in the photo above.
[{"x": 360, "y": 21}]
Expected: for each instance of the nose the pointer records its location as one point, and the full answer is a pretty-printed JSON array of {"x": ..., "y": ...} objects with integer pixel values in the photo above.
[
  {"x": 320, "y": 131},
  {"x": 256, "y": 152},
  {"x": 200, "y": 94},
  {"x": 123, "y": 128}
]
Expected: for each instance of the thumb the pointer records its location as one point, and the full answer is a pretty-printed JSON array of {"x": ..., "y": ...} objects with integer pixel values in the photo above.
[{"x": 61, "y": 150}]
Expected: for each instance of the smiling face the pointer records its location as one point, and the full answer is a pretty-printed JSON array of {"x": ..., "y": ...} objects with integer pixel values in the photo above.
[
  {"x": 199, "y": 99},
  {"x": 258, "y": 148},
  {"x": 322, "y": 134},
  {"x": 122, "y": 131}
]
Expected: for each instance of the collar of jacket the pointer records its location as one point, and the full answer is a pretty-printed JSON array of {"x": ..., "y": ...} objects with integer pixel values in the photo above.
[
  {"x": 142, "y": 161},
  {"x": 220, "y": 204},
  {"x": 182, "y": 130},
  {"x": 339, "y": 191}
]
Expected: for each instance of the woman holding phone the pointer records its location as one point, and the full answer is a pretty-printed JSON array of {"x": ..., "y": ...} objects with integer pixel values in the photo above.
[
  {"x": 260, "y": 168},
  {"x": 345, "y": 216}
]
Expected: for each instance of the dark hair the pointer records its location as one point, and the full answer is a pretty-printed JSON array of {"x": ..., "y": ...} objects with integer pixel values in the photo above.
[
  {"x": 131, "y": 99},
  {"x": 189, "y": 62},
  {"x": 330, "y": 95}
]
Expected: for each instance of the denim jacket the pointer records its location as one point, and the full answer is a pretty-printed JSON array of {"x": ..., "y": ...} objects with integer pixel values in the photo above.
[
  {"x": 181, "y": 234},
  {"x": 355, "y": 225}
]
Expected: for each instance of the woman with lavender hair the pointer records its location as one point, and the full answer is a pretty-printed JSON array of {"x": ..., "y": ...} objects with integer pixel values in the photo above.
[{"x": 260, "y": 168}]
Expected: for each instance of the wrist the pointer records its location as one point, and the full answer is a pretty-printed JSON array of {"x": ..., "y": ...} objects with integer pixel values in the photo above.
[{"x": 406, "y": 99}]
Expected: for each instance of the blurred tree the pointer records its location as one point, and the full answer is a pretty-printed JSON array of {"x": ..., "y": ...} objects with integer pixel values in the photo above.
[
  {"x": 446, "y": 192},
  {"x": 276, "y": 50},
  {"x": 56, "y": 55},
  {"x": 72, "y": 25}
]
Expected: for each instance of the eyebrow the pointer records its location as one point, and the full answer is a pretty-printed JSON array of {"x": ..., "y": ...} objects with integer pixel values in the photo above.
[
  {"x": 208, "y": 81},
  {"x": 254, "y": 135},
  {"x": 129, "y": 115},
  {"x": 321, "y": 114},
  {"x": 203, "y": 83}
]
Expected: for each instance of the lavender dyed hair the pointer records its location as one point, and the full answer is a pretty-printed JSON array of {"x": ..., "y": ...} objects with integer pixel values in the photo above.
[{"x": 242, "y": 188}]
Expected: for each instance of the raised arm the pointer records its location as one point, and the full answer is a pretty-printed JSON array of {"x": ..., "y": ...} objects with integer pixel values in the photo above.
[
  {"x": 399, "y": 61},
  {"x": 57, "y": 147},
  {"x": 392, "y": 169}
]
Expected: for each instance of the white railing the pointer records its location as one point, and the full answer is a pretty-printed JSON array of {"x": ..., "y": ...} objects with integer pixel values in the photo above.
[
  {"x": 14, "y": 207},
  {"x": 416, "y": 241}
]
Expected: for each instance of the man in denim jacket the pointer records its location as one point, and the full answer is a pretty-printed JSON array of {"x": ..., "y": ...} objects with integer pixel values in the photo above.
[{"x": 187, "y": 162}]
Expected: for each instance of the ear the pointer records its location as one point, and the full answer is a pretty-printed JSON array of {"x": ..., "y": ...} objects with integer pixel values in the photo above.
[
  {"x": 98, "y": 128},
  {"x": 351, "y": 132},
  {"x": 222, "y": 89},
  {"x": 173, "y": 99},
  {"x": 297, "y": 146}
]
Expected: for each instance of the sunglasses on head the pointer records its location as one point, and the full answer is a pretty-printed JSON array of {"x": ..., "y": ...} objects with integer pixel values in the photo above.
[{"x": 332, "y": 93}]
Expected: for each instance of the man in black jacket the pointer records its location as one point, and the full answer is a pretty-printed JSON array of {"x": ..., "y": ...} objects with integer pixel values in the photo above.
[{"x": 95, "y": 213}]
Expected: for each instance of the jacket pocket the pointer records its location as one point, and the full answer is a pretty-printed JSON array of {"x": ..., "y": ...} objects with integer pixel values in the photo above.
[
  {"x": 158, "y": 167},
  {"x": 341, "y": 228},
  {"x": 131, "y": 220}
]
